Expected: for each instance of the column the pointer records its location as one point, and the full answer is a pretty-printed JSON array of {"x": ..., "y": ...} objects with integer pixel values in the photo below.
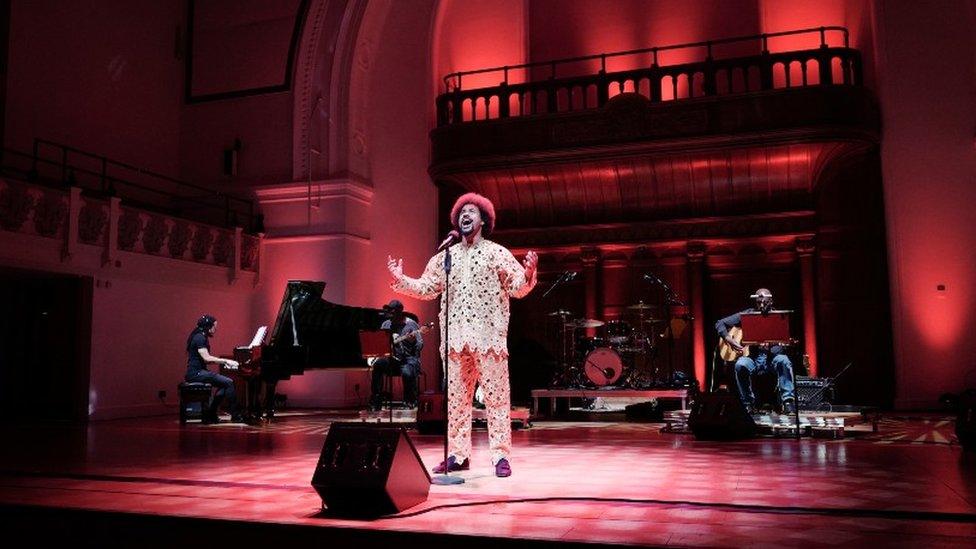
[
  {"x": 112, "y": 240},
  {"x": 71, "y": 229},
  {"x": 805, "y": 248},
  {"x": 590, "y": 258},
  {"x": 696, "y": 257},
  {"x": 235, "y": 267}
]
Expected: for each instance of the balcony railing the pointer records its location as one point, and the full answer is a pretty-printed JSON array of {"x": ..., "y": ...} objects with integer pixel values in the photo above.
[
  {"x": 68, "y": 216},
  {"x": 825, "y": 65},
  {"x": 59, "y": 165}
]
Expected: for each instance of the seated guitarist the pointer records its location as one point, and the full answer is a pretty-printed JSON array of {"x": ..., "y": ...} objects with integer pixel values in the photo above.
[
  {"x": 405, "y": 360},
  {"x": 759, "y": 358}
]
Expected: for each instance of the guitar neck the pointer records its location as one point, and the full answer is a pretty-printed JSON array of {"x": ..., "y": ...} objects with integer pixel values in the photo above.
[{"x": 400, "y": 338}]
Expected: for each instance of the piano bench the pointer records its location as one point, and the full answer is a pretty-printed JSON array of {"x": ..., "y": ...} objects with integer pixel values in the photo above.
[{"x": 193, "y": 393}]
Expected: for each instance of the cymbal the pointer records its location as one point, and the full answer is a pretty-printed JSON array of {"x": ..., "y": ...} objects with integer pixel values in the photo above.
[
  {"x": 560, "y": 312},
  {"x": 585, "y": 323},
  {"x": 640, "y": 305}
]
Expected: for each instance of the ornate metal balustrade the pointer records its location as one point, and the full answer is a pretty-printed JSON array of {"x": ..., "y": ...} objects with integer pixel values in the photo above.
[
  {"x": 60, "y": 166},
  {"x": 826, "y": 65},
  {"x": 75, "y": 219}
]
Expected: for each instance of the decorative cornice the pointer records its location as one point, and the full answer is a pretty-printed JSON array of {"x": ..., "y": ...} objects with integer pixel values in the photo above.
[
  {"x": 697, "y": 251},
  {"x": 317, "y": 237},
  {"x": 679, "y": 231},
  {"x": 805, "y": 246},
  {"x": 299, "y": 191},
  {"x": 589, "y": 255}
]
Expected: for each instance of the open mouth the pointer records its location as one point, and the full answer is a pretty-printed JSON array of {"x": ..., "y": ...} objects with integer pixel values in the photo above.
[{"x": 466, "y": 224}]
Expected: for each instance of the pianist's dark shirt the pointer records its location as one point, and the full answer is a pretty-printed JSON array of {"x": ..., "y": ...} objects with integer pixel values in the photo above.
[{"x": 194, "y": 362}]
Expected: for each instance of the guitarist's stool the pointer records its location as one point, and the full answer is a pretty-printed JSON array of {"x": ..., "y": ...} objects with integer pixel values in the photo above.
[
  {"x": 389, "y": 377},
  {"x": 194, "y": 399}
]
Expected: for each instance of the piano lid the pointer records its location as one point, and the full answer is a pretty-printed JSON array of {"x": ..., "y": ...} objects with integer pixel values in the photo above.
[{"x": 327, "y": 333}]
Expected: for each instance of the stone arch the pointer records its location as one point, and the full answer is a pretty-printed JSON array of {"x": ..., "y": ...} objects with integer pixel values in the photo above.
[{"x": 323, "y": 68}]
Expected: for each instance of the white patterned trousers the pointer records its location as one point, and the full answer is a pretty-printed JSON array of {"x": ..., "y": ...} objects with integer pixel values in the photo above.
[{"x": 465, "y": 369}]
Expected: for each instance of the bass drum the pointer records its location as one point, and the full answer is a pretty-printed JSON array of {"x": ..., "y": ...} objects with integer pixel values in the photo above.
[{"x": 603, "y": 367}]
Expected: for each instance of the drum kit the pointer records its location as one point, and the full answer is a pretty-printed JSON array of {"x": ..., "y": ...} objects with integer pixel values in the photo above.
[{"x": 618, "y": 353}]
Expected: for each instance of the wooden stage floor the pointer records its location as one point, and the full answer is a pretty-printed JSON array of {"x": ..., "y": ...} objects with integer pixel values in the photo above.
[{"x": 151, "y": 482}]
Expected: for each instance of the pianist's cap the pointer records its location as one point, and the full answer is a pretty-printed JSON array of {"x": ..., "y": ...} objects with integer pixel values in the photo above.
[
  {"x": 394, "y": 305},
  {"x": 761, "y": 292}
]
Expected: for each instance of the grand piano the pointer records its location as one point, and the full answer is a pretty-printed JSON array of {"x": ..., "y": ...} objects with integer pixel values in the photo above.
[{"x": 309, "y": 333}]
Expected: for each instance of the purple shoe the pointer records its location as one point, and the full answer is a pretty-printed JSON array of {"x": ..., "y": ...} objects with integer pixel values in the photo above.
[
  {"x": 503, "y": 468},
  {"x": 453, "y": 465}
]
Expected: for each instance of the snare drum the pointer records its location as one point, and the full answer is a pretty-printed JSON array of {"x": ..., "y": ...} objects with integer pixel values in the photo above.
[{"x": 602, "y": 366}]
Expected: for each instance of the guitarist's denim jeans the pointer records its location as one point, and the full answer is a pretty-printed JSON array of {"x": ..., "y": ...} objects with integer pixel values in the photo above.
[
  {"x": 409, "y": 369},
  {"x": 746, "y": 367}
]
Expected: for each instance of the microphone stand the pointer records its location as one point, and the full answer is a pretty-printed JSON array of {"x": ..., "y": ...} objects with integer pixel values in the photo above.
[
  {"x": 565, "y": 277},
  {"x": 563, "y": 377},
  {"x": 670, "y": 298},
  {"x": 446, "y": 479}
]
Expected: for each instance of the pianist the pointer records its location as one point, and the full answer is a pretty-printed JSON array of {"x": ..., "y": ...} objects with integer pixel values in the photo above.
[
  {"x": 484, "y": 276},
  {"x": 406, "y": 356},
  {"x": 198, "y": 356}
]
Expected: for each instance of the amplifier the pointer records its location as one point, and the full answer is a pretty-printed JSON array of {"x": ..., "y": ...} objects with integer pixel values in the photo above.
[{"x": 811, "y": 392}]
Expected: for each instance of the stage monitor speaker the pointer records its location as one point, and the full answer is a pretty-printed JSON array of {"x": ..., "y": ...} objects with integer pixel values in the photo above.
[
  {"x": 430, "y": 414},
  {"x": 720, "y": 416},
  {"x": 369, "y": 470}
]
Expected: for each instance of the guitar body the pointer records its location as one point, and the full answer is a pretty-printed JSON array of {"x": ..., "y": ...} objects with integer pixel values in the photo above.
[
  {"x": 398, "y": 340},
  {"x": 726, "y": 351}
]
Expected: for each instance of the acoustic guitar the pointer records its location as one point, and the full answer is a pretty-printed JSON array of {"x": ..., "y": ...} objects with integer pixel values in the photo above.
[
  {"x": 397, "y": 340},
  {"x": 729, "y": 354},
  {"x": 726, "y": 351},
  {"x": 410, "y": 335}
]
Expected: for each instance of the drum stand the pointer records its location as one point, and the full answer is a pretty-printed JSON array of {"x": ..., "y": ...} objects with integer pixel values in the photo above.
[
  {"x": 565, "y": 374},
  {"x": 671, "y": 300},
  {"x": 643, "y": 353}
]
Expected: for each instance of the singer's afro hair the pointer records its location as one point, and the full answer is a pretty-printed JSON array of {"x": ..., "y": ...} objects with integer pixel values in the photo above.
[{"x": 483, "y": 204}]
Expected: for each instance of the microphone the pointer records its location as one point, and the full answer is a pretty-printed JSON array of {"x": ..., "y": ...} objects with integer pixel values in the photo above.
[
  {"x": 452, "y": 237},
  {"x": 569, "y": 275}
]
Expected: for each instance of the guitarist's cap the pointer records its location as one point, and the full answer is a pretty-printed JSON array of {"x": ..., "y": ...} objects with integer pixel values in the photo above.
[{"x": 394, "y": 305}]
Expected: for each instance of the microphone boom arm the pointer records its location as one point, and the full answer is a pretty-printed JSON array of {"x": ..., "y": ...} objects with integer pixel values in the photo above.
[{"x": 565, "y": 277}]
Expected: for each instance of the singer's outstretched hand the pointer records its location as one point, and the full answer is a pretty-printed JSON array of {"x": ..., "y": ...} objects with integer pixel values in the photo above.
[
  {"x": 395, "y": 266},
  {"x": 530, "y": 262}
]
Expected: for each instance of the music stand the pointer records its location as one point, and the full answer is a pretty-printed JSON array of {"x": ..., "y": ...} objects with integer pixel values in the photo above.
[
  {"x": 773, "y": 326},
  {"x": 377, "y": 344}
]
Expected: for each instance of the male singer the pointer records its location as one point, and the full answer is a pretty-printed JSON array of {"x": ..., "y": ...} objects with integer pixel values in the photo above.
[{"x": 483, "y": 276}]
